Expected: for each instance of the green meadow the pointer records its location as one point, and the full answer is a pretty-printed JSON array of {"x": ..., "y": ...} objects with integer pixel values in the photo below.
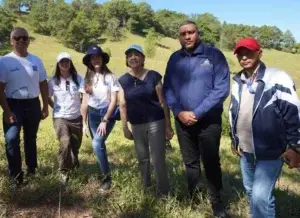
[{"x": 81, "y": 198}]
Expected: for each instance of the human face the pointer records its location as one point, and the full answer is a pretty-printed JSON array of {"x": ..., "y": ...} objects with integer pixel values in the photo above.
[
  {"x": 96, "y": 61},
  {"x": 64, "y": 66},
  {"x": 247, "y": 58},
  {"x": 188, "y": 36},
  {"x": 20, "y": 41},
  {"x": 135, "y": 59}
]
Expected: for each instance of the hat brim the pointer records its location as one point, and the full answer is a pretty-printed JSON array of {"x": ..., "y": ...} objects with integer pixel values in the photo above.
[
  {"x": 245, "y": 46},
  {"x": 133, "y": 49},
  {"x": 87, "y": 57}
]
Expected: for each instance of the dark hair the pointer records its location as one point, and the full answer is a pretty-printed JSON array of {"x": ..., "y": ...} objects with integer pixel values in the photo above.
[
  {"x": 189, "y": 22},
  {"x": 17, "y": 29},
  {"x": 73, "y": 73},
  {"x": 90, "y": 73}
]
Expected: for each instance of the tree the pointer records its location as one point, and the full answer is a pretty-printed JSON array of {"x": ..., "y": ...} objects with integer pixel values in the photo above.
[
  {"x": 169, "y": 22},
  {"x": 12, "y": 5},
  {"x": 114, "y": 31},
  {"x": 209, "y": 26},
  {"x": 60, "y": 14},
  {"x": 7, "y": 21},
  {"x": 82, "y": 32},
  {"x": 152, "y": 39},
  {"x": 38, "y": 18},
  {"x": 288, "y": 40}
]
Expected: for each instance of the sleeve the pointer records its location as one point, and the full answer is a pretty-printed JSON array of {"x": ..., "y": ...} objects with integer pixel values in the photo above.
[
  {"x": 221, "y": 87},
  {"x": 42, "y": 72},
  {"x": 50, "y": 88},
  {"x": 114, "y": 85},
  {"x": 81, "y": 85},
  {"x": 3, "y": 72},
  {"x": 289, "y": 106},
  {"x": 170, "y": 97},
  {"x": 157, "y": 77}
]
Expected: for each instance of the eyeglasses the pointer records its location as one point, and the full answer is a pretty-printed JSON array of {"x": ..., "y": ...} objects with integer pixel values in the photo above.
[
  {"x": 18, "y": 38},
  {"x": 67, "y": 85}
]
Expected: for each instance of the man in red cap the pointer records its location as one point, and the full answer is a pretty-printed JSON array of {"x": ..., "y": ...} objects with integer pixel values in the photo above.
[{"x": 265, "y": 125}]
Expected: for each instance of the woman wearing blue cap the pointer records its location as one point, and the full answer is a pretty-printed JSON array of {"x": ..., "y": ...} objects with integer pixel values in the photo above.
[
  {"x": 143, "y": 106},
  {"x": 99, "y": 105},
  {"x": 64, "y": 87}
]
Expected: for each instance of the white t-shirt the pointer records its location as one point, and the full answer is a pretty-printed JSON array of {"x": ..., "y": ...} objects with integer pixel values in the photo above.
[
  {"x": 102, "y": 90},
  {"x": 66, "y": 100},
  {"x": 22, "y": 75}
]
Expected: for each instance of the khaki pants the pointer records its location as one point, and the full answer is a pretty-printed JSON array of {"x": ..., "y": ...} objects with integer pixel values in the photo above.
[{"x": 69, "y": 134}]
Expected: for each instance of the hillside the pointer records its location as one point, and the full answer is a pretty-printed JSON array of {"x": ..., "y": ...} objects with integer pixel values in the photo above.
[{"x": 82, "y": 198}]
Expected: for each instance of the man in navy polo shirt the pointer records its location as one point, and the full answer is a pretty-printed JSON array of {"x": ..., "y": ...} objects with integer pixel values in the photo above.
[{"x": 196, "y": 84}]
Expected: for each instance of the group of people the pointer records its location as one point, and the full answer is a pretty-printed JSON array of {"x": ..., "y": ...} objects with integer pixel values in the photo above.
[{"x": 264, "y": 114}]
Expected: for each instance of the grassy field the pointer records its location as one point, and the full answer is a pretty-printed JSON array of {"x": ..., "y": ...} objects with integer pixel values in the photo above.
[{"x": 81, "y": 198}]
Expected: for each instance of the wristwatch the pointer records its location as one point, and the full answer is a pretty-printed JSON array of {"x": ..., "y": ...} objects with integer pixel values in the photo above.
[{"x": 104, "y": 120}]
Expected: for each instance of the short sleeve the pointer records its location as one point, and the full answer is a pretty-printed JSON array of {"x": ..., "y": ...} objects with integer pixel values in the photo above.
[
  {"x": 156, "y": 77},
  {"x": 3, "y": 72},
  {"x": 114, "y": 85},
  {"x": 81, "y": 84},
  {"x": 50, "y": 87},
  {"x": 42, "y": 72}
]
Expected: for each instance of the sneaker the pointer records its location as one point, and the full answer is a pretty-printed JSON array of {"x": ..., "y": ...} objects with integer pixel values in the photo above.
[
  {"x": 106, "y": 184},
  {"x": 64, "y": 178},
  {"x": 219, "y": 210},
  {"x": 17, "y": 181},
  {"x": 30, "y": 173}
]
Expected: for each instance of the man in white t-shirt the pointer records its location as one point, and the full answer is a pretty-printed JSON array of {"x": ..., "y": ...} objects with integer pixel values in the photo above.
[{"x": 22, "y": 79}]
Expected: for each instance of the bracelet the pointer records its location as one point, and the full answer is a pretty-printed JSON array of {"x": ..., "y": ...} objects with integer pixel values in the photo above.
[{"x": 104, "y": 121}]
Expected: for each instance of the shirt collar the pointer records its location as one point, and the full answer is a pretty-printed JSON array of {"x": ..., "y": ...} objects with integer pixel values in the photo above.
[{"x": 198, "y": 50}]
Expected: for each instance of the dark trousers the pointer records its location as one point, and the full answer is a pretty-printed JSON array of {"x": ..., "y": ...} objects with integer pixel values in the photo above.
[
  {"x": 202, "y": 140},
  {"x": 28, "y": 113},
  {"x": 69, "y": 133}
]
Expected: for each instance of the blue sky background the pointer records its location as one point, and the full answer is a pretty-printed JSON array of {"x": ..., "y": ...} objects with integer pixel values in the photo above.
[{"x": 283, "y": 14}]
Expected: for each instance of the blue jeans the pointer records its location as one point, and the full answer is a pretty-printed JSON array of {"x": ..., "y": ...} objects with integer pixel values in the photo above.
[
  {"x": 95, "y": 117},
  {"x": 259, "y": 178},
  {"x": 28, "y": 114}
]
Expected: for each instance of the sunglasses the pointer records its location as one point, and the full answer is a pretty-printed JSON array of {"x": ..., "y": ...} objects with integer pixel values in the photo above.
[
  {"x": 18, "y": 38},
  {"x": 67, "y": 85}
]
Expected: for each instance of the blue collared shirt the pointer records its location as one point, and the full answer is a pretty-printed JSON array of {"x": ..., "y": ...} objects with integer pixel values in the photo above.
[{"x": 198, "y": 81}]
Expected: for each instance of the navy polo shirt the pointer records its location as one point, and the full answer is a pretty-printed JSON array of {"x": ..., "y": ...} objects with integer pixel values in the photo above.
[{"x": 142, "y": 102}]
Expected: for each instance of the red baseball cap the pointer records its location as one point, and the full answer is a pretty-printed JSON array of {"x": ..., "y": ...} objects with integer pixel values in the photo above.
[{"x": 250, "y": 43}]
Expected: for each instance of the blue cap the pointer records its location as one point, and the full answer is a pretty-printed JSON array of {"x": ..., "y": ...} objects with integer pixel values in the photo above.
[
  {"x": 94, "y": 49},
  {"x": 136, "y": 48}
]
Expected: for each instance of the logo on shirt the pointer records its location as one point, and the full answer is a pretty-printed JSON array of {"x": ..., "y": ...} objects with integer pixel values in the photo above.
[
  {"x": 34, "y": 68},
  {"x": 14, "y": 69},
  {"x": 74, "y": 88},
  {"x": 206, "y": 63}
]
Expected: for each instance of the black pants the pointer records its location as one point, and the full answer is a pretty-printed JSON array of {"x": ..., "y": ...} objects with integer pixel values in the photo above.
[
  {"x": 28, "y": 113},
  {"x": 202, "y": 140}
]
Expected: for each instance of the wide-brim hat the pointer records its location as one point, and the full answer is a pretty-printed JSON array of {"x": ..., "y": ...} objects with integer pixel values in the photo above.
[{"x": 94, "y": 50}]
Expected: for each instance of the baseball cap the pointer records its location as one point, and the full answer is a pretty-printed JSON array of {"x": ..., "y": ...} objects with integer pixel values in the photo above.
[
  {"x": 136, "y": 48},
  {"x": 249, "y": 43},
  {"x": 63, "y": 55}
]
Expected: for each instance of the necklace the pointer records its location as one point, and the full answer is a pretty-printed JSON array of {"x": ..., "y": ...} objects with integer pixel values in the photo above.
[{"x": 136, "y": 78}]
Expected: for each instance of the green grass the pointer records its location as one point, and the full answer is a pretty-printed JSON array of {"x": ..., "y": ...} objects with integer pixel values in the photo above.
[{"x": 81, "y": 198}]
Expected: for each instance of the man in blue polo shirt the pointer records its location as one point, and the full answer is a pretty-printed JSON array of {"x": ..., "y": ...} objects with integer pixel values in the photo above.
[{"x": 196, "y": 84}]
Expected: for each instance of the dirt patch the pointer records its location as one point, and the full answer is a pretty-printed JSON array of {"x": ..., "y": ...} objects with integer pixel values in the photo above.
[{"x": 49, "y": 212}]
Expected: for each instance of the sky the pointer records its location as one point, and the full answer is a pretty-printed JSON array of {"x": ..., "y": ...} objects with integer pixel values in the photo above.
[{"x": 283, "y": 14}]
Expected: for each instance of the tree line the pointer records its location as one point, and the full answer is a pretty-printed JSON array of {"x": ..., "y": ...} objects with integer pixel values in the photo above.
[{"x": 82, "y": 22}]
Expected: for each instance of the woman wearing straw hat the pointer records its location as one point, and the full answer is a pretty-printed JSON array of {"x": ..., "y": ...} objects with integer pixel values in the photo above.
[
  {"x": 99, "y": 105},
  {"x": 64, "y": 87}
]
